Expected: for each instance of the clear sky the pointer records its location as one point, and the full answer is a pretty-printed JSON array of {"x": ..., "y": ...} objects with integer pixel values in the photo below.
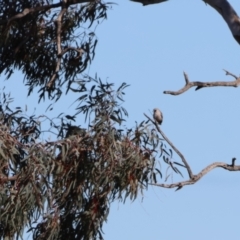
[{"x": 149, "y": 48}]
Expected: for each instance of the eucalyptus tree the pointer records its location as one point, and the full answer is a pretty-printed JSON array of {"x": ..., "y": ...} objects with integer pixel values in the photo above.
[{"x": 63, "y": 189}]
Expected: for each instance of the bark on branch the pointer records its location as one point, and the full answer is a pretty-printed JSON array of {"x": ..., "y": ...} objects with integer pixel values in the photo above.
[{"x": 200, "y": 85}]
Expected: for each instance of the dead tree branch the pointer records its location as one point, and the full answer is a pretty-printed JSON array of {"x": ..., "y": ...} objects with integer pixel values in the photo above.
[
  {"x": 178, "y": 185},
  {"x": 192, "y": 177},
  {"x": 190, "y": 174},
  {"x": 223, "y": 7},
  {"x": 200, "y": 85}
]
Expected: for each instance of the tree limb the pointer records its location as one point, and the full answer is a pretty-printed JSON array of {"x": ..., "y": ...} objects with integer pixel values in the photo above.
[
  {"x": 200, "y": 85},
  {"x": 192, "y": 177},
  {"x": 223, "y": 7},
  {"x": 197, "y": 177},
  {"x": 190, "y": 174}
]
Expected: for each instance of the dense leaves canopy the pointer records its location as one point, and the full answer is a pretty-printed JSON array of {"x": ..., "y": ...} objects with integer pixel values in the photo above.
[
  {"x": 63, "y": 189},
  {"x": 49, "y": 42}
]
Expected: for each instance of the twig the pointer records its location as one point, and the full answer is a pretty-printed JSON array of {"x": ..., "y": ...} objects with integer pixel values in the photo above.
[
  {"x": 191, "y": 176},
  {"x": 80, "y": 51},
  {"x": 230, "y": 74},
  {"x": 200, "y": 85},
  {"x": 233, "y": 162}
]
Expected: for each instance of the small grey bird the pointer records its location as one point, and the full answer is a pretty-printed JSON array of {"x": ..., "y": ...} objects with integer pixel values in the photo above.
[{"x": 158, "y": 116}]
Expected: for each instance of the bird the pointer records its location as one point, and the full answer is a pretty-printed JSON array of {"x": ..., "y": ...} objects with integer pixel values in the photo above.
[{"x": 157, "y": 116}]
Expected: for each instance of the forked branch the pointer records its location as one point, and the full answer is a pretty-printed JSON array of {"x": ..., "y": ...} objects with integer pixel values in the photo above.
[{"x": 200, "y": 85}]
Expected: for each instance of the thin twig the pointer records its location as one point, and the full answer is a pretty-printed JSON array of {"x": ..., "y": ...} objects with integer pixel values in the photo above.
[
  {"x": 80, "y": 51},
  {"x": 230, "y": 74}
]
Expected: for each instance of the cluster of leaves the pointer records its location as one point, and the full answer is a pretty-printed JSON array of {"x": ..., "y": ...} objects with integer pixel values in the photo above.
[
  {"x": 63, "y": 189},
  {"x": 66, "y": 186},
  {"x": 17, "y": 172},
  {"x": 49, "y": 51}
]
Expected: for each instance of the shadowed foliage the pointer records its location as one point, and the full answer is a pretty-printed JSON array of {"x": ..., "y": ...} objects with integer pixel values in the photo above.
[
  {"x": 62, "y": 189},
  {"x": 49, "y": 42}
]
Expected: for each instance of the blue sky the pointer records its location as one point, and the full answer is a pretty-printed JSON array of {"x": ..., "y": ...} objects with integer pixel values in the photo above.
[{"x": 149, "y": 48}]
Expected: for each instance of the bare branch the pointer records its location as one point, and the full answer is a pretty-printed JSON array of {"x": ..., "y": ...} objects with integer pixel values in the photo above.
[
  {"x": 173, "y": 147},
  {"x": 224, "y": 8},
  {"x": 186, "y": 77},
  {"x": 192, "y": 178},
  {"x": 200, "y": 85},
  {"x": 233, "y": 162},
  {"x": 230, "y": 74},
  {"x": 197, "y": 177}
]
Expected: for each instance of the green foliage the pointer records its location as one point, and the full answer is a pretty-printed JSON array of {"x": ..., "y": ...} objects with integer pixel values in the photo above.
[
  {"x": 67, "y": 185},
  {"x": 63, "y": 189},
  {"x": 47, "y": 56}
]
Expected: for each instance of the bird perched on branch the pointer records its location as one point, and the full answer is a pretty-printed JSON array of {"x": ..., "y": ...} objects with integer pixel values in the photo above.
[{"x": 158, "y": 116}]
